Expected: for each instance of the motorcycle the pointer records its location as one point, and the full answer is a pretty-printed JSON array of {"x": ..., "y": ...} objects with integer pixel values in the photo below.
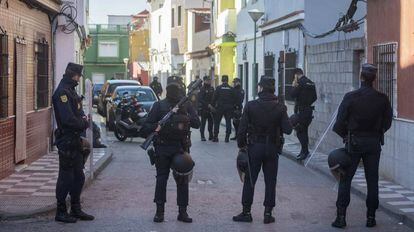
[{"x": 129, "y": 118}]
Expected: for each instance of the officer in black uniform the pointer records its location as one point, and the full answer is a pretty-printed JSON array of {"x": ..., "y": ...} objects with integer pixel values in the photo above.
[
  {"x": 259, "y": 133},
  {"x": 205, "y": 101},
  {"x": 304, "y": 93},
  {"x": 238, "y": 106},
  {"x": 156, "y": 87},
  {"x": 363, "y": 117},
  {"x": 194, "y": 95},
  {"x": 71, "y": 123},
  {"x": 172, "y": 143},
  {"x": 223, "y": 102}
]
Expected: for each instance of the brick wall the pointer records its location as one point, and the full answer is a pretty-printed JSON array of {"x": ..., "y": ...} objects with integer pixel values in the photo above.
[
  {"x": 21, "y": 21},
  {"x": 331, "y": 67},
  {"x": 6, "y": 147}
]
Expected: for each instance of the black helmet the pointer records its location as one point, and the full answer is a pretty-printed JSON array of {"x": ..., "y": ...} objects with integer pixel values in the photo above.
[
  {"x": 174, "y": 88},
  {"x": 294, "y": 120},
  {"x": 205, "y": 78},
  {"x": 182, "y": 166},
  {"x": 339, "y": 160},
  {"x": 243, "y": 164}
]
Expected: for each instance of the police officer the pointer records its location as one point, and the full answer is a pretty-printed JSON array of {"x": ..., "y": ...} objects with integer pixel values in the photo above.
[
  {"x": 156, "y": 86},
  {"x": 71, "y": 123},
  {"x": 238, "y": 106},
  {"x": 223, "y": 102},
  {"x": 205, "y": 101},
  {"x": 363, "y": 117},
  {"x": 172, "y": 146},
  {"x": 259, "y": 133},
  {"x": 194, "y": 95},
  {"x": 304, "y": 93}
]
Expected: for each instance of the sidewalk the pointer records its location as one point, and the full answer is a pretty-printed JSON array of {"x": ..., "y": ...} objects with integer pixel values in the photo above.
[
  {"x": 394, "y": 199},
  {"x": 31, "y": 191}
]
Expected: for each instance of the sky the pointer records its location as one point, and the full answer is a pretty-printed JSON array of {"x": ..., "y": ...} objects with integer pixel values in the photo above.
[{"x": 99, "y": 9}]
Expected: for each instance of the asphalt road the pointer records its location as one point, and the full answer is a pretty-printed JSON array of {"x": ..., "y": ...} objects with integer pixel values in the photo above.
[{"x": 121, "y": 198}]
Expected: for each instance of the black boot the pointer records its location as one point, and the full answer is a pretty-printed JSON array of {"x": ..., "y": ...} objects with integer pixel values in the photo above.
[
  {"x": 210, "y": 136},
  {"x": 203, "y": 138},
  {"x": 76, "y": 211},
  {"x": 227, "y": 138},
  {"x": 268, "y": 218},
  {"x": 244, "y": 216},
  {"x": 62, "y": 214},
  {"x": 183, "y": 215},
  {"x": 159, "y": 215},
  {"x": 340, "y": 221},
  {"x": 215, "y": 139},
  {"x": 371, "y": 222}
]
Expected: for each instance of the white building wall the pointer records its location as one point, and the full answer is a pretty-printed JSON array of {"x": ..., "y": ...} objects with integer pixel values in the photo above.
[
  {"x": 68, "y": 46},
  {"x": 160, "y": 42},
  {"x": 245, "y": 39}
]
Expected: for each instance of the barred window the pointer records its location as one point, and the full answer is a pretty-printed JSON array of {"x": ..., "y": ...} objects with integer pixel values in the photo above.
[
  {"x": 4, "y": 75},
  {"x": 385, "y": 58},
  {"x": 42, "y": 84}
]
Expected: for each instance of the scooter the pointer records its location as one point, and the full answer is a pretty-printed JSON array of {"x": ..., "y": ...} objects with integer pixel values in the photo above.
[{"x": 129, "y": 119}]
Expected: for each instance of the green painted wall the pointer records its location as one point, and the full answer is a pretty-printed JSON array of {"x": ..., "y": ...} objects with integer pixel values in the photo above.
[{"x": 107, "y": 65}]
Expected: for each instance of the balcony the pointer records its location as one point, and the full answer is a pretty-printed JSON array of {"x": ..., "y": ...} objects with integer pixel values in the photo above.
[
  {"x": 107, "y": 29},
  {"x": 226, "y": 21}
]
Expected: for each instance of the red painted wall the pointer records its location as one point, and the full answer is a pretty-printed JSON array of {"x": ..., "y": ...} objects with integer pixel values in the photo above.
[{"x": 392, "y": 21}]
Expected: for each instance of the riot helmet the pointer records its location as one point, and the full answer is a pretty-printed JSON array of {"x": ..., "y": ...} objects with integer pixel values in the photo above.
[
  {"x": 339, "y": 160},
  {"x": 182, "y": 166}
]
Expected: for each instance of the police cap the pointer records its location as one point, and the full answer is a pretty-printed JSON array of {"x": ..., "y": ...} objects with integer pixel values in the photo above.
[
  {"x": 206, "y": 78},
  {"x": 224, "y": 78},
  {"x": 73, "y": 69},
  {"x": 236, "y": 80},
  {"x": 369, "y": 72}
]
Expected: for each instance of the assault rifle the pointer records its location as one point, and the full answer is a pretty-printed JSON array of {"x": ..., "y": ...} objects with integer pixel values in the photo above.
[{"x": 148, "y": 141}]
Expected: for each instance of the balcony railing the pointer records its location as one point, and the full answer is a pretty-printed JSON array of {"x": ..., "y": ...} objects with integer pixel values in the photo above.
[{"x": 108, "y": 29}]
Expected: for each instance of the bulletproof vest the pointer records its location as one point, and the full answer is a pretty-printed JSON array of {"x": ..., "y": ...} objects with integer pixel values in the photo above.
[
  {"x": 262, "y": 127},
  {"x": 178, "y": 126},
  {"x": 308, "y": 93},
  {"x": 225, "y": 95}
]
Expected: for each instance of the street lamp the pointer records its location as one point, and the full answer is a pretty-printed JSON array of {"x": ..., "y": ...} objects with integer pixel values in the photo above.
[
  {"x": 255, "y": 14},
  {"x": 126, "y": 68}
]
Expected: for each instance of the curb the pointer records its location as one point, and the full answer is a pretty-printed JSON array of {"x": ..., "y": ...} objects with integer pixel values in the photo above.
[
  {"x": 357, "y": 191},
  {"x": 101, "y": 165}
]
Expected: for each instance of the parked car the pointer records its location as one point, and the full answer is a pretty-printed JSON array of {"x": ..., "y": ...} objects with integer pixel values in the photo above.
[
  {"x": 107, "y": 90},
  {"x": 95, "y": 93},
  {"x": 143, "y": 94}
]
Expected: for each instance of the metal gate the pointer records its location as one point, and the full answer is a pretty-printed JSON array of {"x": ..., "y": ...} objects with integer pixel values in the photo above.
[{"x": 385, "y": 58}]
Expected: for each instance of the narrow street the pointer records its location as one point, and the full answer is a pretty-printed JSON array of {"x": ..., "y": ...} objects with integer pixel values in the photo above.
[{"x": 121, "y": 197}]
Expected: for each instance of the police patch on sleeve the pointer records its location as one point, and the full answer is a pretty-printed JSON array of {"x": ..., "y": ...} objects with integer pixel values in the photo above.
[{"x": 64, "y": 98}]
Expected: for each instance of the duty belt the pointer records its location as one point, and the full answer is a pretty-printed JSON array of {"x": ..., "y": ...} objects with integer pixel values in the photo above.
[{"x": 264, "y": 139}]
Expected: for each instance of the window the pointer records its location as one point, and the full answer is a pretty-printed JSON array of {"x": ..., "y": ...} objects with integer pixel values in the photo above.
[
  {"x": 243, "y": 3},
  {"x": 385, "y": 58},
  {"x": 179, "y": 15},
  {"x": 269, "y": 63},
  {"x": 159, "y": 23},
  {"x": 286, "y": 74},
  {"x": 4, "y": 75},
  {"x": 42, "y": 82},
  {"x": 108, "y": 49},
  {"x": 172, "y": 18}
]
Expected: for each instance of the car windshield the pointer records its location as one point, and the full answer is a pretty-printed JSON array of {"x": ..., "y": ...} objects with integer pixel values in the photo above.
[
  {"x": 143, "y": 95},
  {"x": 112, "y": 87}
]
